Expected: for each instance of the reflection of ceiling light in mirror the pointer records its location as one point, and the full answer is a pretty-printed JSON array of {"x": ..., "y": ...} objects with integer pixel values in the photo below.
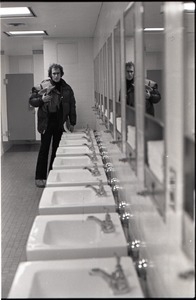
[
  {"x": 26, "y": 33},
  {"x": 189, "y": 6},
  {"x": 12, "y": 12},
  {"x": 153, "y": 29}
]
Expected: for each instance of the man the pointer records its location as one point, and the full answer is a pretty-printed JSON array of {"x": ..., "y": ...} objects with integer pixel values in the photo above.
[
  {"x": 56, "y": 105},
  {"x": 152, "y": 94}
]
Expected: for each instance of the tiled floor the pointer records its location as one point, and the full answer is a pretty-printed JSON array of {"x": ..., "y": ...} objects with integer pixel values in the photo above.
[{"x": 19, "y": 206}]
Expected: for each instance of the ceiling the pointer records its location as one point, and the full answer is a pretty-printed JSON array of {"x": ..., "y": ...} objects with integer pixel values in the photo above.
[
  {"x": 58, "y": 19},
  {"x": 71, "y": 19}
]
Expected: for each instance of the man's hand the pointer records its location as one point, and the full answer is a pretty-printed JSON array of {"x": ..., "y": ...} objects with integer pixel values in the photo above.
[
  {"x": 148, "y": 89},
  {"x": 46, "y": 98},
  {"x": 71, "y": 128},
  {"x": 147, "y": 95}
]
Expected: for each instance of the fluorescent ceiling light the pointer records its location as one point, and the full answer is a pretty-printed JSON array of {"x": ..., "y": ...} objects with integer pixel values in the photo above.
[
  {"x": 153, "y": 29},
  {"x": 26, "y": 33},
  {"x": 12, "y": 12},
  {"x": 189, "y": 6}
]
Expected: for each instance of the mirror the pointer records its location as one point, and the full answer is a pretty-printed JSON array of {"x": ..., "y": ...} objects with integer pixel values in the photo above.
[
  {"x": 96, "y": 81},
  {"x": 154, "y": 56},
  {"x": 105, "y": 104},
  {"x": 101, "y": 84},
  {"x": 189, "y": 135},
  {"x": 154, "y": 145},
  {"x": 98, "y": 94},
  {"x": 109, "y": 80},
  {"x": 129, "y": 30},
  {"x": 117, "y": 66}
]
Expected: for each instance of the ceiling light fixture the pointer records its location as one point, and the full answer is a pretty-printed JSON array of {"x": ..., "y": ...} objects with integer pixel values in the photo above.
[
  {"x": 26, "y": 33},
  {"x": 153, "y": 29},
  {"x": 16, "y": 12},
  {"x": 189, "y": 6}
]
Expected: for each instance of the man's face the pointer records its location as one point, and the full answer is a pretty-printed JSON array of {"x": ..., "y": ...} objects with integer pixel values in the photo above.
[
  {"x": 56, "y": 75},
  {"x": 130, "y": 73}
]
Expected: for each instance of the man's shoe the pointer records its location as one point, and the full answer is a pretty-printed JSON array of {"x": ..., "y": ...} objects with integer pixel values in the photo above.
[{"x": 40, "y": 183}]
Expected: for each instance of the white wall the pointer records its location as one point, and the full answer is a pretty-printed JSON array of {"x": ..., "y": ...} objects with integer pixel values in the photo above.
[
  {"x": 4, "y": 64},
  {"x": 4, "y": 71},
  {"x": 21, "y": 64},
  {"x": 76, "y": 57}
]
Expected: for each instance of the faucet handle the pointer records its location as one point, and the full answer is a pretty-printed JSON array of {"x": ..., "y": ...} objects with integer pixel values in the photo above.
[
  {"x": 102, "y": 191},
  {"x": 107, "y": 216},
  {"x": 122, "y": 285},
  {"x": 89, "y": 146},
  {"x": 117, "y": 258},
  {"x": 95, "y": 166},
  {"x": 96, "y": 170},
  {"x": 107, "y": 224}
]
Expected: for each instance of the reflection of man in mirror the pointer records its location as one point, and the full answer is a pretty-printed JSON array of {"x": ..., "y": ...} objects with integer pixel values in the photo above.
[{"x": 152, "y": 94}]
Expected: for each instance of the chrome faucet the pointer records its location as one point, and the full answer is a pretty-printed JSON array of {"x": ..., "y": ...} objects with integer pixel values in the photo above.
[
  {"x": 85, "y": 137},
  {"x": 87, "y": 130},
  {"x": 100, "y": 191},
  {"x": 106, "y": 225},
  {"x": 117, "y": 280},
  {"x": 93, "y": 156},
  {"x": 94, "y": 171},
  {"x": 91, "y": 147}
]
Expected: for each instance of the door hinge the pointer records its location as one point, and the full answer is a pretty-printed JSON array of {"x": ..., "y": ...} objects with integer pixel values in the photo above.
[{"x": 5, "y": 81}]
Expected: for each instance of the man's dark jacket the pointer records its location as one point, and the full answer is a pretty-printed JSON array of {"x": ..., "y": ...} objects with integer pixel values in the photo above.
[
  {"x": 63, "y": 99},
  {"x": 155, "y": 96}
]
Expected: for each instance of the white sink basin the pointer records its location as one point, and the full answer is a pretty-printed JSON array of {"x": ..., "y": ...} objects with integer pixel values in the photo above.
[
  {"x": 80, "y": 130},
  {"x": 74, "y": 236},
  {"x": 73, "y": 177},
  {"x": 75, "y": 200},
  {"x": 78, "y": 136},
  {"x": 74, "y": 135},
  {"x": 74, "y": 142},
  {"x": 75, "y": 150},
  {"x": 75, "y": 162},
  {"x": 71, "y": 279}
]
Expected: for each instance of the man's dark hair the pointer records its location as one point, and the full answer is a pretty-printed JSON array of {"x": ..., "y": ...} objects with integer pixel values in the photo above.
[
  {"x": 130, "y": 64},
  {"x": 55, "y": 66}
]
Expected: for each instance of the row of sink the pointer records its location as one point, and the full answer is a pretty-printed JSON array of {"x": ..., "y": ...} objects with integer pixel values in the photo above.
[{"x": 77, "y": 246}]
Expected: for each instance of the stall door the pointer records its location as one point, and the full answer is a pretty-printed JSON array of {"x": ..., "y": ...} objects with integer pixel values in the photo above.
[{"x": 21, "y": 117}]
